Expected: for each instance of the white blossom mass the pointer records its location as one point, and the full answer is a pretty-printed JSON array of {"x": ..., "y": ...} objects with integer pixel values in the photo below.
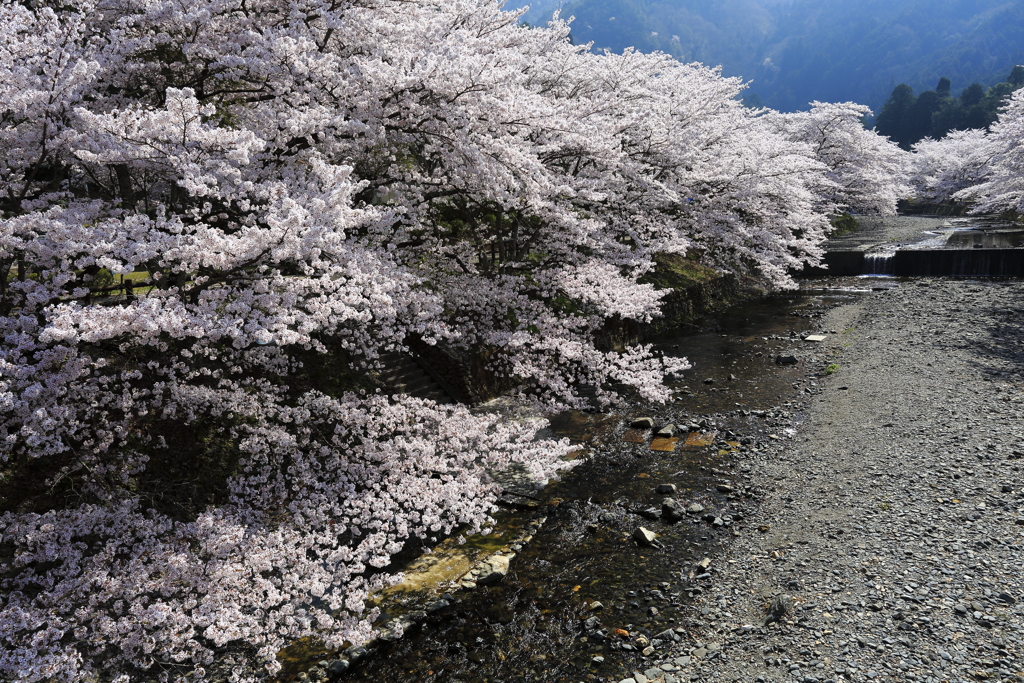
[{"x": 295, "y": 187}]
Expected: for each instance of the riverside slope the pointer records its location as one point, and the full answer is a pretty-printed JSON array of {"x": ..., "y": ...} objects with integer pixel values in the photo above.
[{"x": 895, "y": 520}]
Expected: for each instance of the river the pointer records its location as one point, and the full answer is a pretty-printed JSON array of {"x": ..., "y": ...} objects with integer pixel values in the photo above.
[{"x": 583, "y": 562}]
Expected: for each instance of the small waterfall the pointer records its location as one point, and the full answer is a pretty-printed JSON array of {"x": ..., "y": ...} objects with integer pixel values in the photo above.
[{"x": 878, "y": 263}]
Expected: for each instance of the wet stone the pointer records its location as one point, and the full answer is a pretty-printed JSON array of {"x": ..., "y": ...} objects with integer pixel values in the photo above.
[
  {"x": 644, "y": 536},
  {"x": 642, "y": 423},
  {"x": 437, "y": 606},
  {"x": 337, "y": 667},
  {"x": 664, "y": 445},
  {"x": 665, "y": 489},
  {"x": 650, "y": 513},
  {"x": 700, "y": 439},
  {"x": 672, "y": 510},
  {"x": 494, "y": 569}
]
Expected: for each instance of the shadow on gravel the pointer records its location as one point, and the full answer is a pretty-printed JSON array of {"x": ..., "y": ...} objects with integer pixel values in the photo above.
[{"x": 998, "y": 331}]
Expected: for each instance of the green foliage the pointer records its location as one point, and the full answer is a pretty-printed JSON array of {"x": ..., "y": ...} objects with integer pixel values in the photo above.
[
  {"x": 673, "y": 271},
  {"x": 1016, "y": 78},
  {"x": 907, "y": 119},
  {"x": 833, "y": 367},
  {"x": 843, "y": 224}
]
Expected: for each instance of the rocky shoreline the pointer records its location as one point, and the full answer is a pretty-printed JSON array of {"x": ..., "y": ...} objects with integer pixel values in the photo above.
[{"x": 889, "y": 543}]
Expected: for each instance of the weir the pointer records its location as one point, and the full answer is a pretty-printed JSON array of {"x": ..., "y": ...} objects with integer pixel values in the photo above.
[
  {"x": 880, "y": 263},
  {"x": 927, "y": 263},
  {"x": 958, "y": 248}
]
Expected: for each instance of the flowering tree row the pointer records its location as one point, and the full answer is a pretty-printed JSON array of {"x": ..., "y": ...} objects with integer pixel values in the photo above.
[
  {"x": 982, "y": 168},
  {"x": 190, "y": 470}
]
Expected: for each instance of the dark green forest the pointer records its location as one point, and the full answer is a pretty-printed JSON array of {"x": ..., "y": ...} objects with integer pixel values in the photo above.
[
  {"x": 907, "y": 118},
  {"x": 796, "y": 51}
]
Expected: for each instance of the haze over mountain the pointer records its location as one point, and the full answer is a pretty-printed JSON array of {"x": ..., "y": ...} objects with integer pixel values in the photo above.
[{"x": 796, "y": 51}]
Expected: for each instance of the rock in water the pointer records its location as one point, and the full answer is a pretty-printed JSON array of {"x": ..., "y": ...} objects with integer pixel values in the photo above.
[
  {"x": 666, "y": 432},
  {"x": 672, "y": 510},
  {"x": 644, "y": 536},
  {"x": 642, "y": 423},
  {"x": 650, "y": 513},
  {"x": 494, "y": 569}
]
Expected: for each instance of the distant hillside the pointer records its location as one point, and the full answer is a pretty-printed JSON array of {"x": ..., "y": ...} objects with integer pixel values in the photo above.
[{"x": 795, "y": 51}]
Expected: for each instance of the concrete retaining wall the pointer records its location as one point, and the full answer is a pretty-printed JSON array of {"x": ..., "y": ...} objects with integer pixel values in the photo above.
[
  {"x": 960, "y": 262},
  {"x": 930, "y": 263},
  {"x": 839, "y": 263}
]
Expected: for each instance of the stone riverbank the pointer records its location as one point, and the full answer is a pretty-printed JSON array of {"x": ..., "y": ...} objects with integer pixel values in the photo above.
[{"x": 889, "y": 545}]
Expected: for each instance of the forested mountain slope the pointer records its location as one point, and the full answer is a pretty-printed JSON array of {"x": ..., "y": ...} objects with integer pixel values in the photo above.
[{"x": 803, "y": 50}]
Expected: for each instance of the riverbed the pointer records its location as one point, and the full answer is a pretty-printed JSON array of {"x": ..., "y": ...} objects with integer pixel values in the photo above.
[
  {"x": 863, "y": 510},
  {"x": 584, "y": 562}
]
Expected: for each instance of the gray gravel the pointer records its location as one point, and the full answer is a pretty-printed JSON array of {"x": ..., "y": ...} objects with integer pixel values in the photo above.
[{"x": 888, "y": 546}]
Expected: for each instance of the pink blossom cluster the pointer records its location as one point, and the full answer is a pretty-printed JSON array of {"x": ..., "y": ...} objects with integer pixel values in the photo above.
[
  {"x": 301, "y": 185},
  {"x": 866, "y": 173},
  {"x": 982, "y": 168}
]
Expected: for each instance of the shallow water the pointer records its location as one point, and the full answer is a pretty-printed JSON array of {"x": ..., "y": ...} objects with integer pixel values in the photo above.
[
  {"x": 985, "y": 239},
  {"x": 528, "y": 627}
]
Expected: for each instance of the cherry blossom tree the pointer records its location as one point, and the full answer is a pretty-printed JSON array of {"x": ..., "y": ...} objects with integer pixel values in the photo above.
[
  {"x": 867, "y": 173},
  {"x": 1001, "y": 188},
  {"x": 942, "y": 168},
  {"x": 295, "y": 187}
]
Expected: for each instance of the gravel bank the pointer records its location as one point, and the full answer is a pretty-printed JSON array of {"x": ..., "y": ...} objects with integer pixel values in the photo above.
[{"x": 889, "y": 544}]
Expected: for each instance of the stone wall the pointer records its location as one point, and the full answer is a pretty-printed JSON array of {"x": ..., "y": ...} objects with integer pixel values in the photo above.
[{"x": 693, "y": 301}]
